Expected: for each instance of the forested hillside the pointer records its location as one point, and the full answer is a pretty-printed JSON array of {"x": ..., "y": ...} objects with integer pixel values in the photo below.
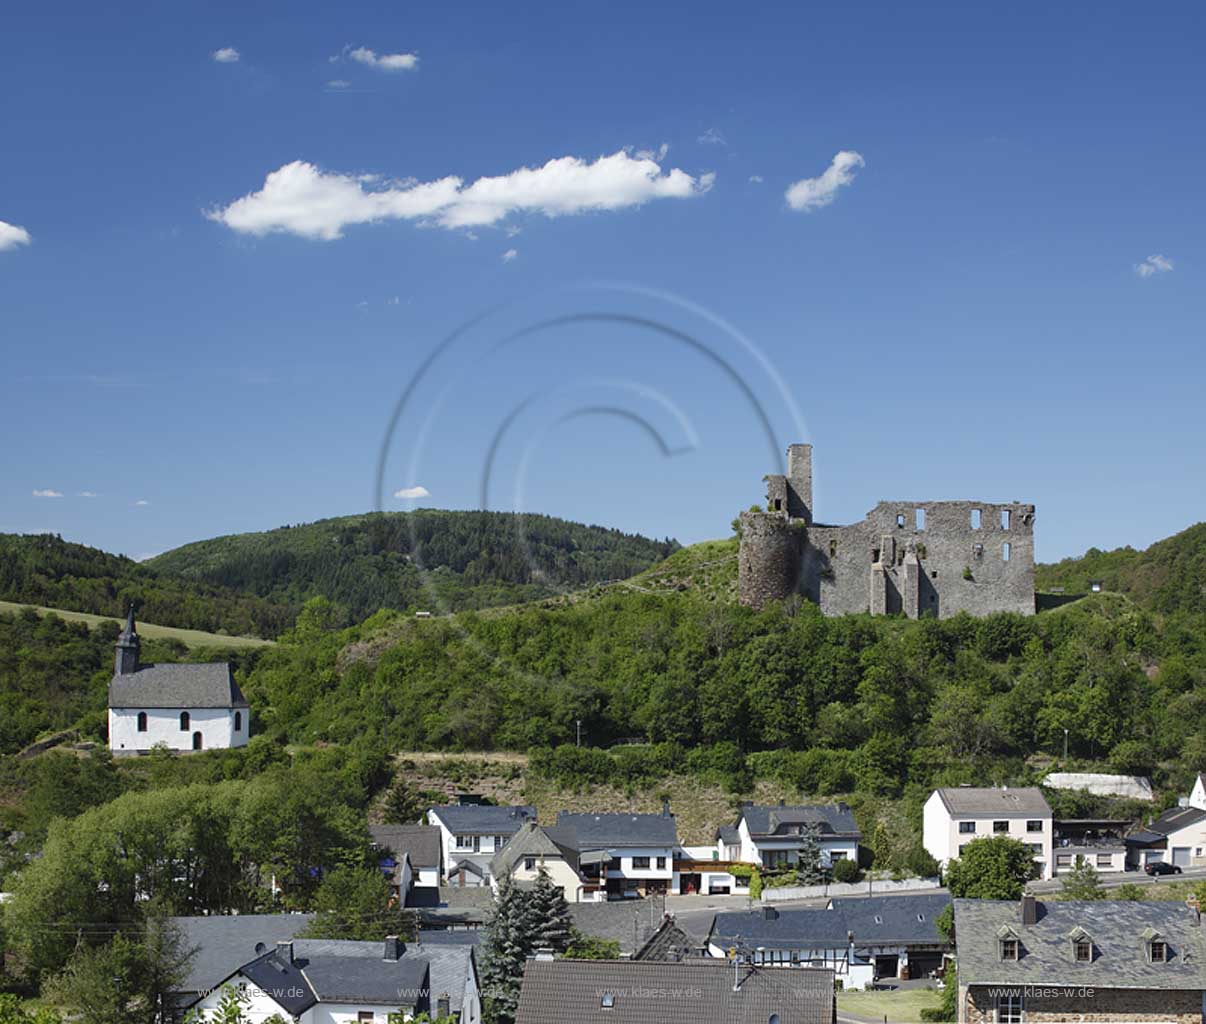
[
  {"x": 43, "y": 569},
  {"x": 1169, "y": 576},
  {"x": 425, "y": 559}
]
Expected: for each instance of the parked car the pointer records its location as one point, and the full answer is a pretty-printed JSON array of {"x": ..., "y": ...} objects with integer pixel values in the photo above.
[{"x": 1160, "y": 867}]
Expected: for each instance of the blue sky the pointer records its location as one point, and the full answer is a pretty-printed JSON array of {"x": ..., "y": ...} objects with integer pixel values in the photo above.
[{"x": 967, "y": 240}]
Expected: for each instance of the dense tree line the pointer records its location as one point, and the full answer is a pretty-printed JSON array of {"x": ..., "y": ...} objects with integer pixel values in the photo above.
[
  {"x": 833, "y": 705},
  {"x": 425, "y": 559},
  {"x": 49, "y": 571}
]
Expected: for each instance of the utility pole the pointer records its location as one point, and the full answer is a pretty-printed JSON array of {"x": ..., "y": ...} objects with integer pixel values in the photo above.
[
  {"x": 1065, "y": 744},
  {"x": 578, "y": 724}
]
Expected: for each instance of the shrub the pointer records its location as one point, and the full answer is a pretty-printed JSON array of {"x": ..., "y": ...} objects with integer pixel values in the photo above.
[{"x": 846, "y": 870}]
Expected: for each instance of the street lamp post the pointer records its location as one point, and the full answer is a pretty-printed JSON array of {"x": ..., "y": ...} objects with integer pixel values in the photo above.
[{"x": 1065, "y": 744}]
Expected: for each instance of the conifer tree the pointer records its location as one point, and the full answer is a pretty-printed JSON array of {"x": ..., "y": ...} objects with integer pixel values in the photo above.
[
  {"x": 509, "y": 940},
  {"x": 808, "y": 858},
  {"x": 554, "y": 926}
]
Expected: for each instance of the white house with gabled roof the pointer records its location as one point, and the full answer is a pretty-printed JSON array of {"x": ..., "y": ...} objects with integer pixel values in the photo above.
[{"x": 954, "y": 817}]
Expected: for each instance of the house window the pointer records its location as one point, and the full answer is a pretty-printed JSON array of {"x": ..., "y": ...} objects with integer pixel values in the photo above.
[
  {"x": 1034, "y": 825},
  {"x": 184, "y": 722},
  {"x": 1009, "y": 949},
  {"x": 1105, "y": 860},
  {"x": 1082, "y": 950},
  {"x": 640, "y": 863},
  {"x": 1009, "y": 1009},
  {"x": 142, "y": 721},
  {"x": 366, "y": 1015},
  {"x": 467, "y": 842},
  {"x": 238, "y": 721},
  {"x": 1000, "y": 826},
  {"x": 661, "y": 863},
  {"x": 529, "y": 863},
  {"x": 500, "y": 842},
  {"x": 1063, "y": 860},
  {"x": 967, "y": 827}
]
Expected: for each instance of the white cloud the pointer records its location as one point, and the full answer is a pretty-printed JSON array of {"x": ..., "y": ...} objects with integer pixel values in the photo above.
[
  {"x": 813, "y": 193},
  {"x": 509, "y": 255},
  {"x": 11, "y": 236},
  {"x": 338, "y": 83},
  {"x": 756, "y": 179},
  {"x": 412, "y": 492},
  {"x": 713, "y": 137},
  {"x": 141, "y": 503},
  {"x": 1154, "y": 264},
  {"x": 47, "y": 493},
  {"x": 383, "y": 61},
  {"x": 226, "y": 55},
  {"x": 87, "y": 494},
  {"x": 300, "y": 199},
  {"x": 657, "y": 155}
]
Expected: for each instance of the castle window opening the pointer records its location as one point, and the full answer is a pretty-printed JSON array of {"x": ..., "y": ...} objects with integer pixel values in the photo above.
[
  {"x": 975, "y": 519},
  {"x": 1005, "y": 552},
  {"x": 934, "y": 574},
  {"x": 900, "y": 519},
  {"x": 832, "y": 548},
  {"x": 874, "y": 555},
  {"x": 978, "y": 550},
  {"x": 1004, "y": 519},
  {"x": 778, "y": 505},
  {"x": 921, "y": 519}
]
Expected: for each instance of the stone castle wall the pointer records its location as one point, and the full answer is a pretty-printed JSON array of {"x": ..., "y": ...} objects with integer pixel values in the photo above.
[{"x": 912, "y": 558}]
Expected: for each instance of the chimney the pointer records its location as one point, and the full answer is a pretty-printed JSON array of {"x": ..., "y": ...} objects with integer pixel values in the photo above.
[
  {"x": 1029, "y": 908},
  {"x": 665, "y": 807},
  {"x": 444, "y": 1006},
  {"x": 393, "y": 948},
  {"x": 284, "y": 952}
]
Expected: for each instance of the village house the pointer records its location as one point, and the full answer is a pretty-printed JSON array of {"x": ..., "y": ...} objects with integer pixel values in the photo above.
[
  {"x": 862, "y": 940},
  {"x": 769, "y": 836},
  {"x": 181, "y": 707},
  {"x": 1177, "y": 837},
  {"x": 471, "y": 833},
  {"x": 1099, "y": 842},
  {"x": 555, "y": 850},
  {"x": 1079, "y": 960},
  {"x": 692, "y": 991},
  {"x": 322, "y": 981},
  {"x": 639, "y": 849},
  {"x": 409, "y": 856},
  {"x": 953, "y": 817}
]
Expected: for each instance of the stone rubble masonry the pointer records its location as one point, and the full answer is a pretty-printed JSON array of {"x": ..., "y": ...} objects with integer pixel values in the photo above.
[
  {"x": 1108, "y": 1005},
  {"x": 916, "y": 558}
]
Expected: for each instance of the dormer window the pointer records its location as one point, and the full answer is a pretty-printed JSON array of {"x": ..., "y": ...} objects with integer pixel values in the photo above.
[
  {"x": 1082, "y": 951},
  {"x": 1009, "y": 949},
  {"x": 1156, "y": 948},
  {"x": 1009, "y": 946}
]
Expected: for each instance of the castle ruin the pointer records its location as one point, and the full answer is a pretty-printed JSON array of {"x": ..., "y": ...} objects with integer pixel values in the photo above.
[{"x": 929, "y": 558}]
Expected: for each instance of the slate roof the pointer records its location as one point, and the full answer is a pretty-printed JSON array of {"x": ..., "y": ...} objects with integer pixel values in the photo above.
[
  {"x": 1175, "y": 819},
  {"x": 629, "y": 922},
  {"x": 338, "y": 958},
  {"x": 1006, "y": 802},
  {"x": 671, "y": 941},
  {"x": 614, "y": 831},
  {"x": 465, "y": 906},
  {"x": 448, "y": 937},
  {"x": 1116, "y": 927},
  {"x": 209, "y": 685},
  {"x": 482, "y": 819},
  {"x": 535, "y": 841},
  {"x": 728, "y": 835},
  {"x": 224, "y": 942},
  {"x": 875, "y": 921},
  {"x": 830, "y": 819},
  {"x": 283, "y": 980},
  {"x": 421, "y": 842},
  {"x": 660, "y": 992}
]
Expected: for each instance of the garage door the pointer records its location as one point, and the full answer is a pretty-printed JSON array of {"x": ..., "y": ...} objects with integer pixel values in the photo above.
[{"x": 1180, "y": 856}]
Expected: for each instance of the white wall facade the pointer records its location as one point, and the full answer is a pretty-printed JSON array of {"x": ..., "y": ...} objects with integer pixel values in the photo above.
[
  {"x": 1197, "y": 797},
  {"x": 853, "y": 976},
  {"x": 260, "y": 1006},
  {"x": 478, "y": 848},
  {"x": 943, "y": 837},
  {"x": 216, "y": 726}
]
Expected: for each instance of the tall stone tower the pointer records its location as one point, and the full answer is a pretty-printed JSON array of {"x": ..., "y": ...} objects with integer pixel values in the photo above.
[
  {"x": 772, "y": 542},
  {"x": 799, "y": 482},
  {"x": 128, "y": 648}
]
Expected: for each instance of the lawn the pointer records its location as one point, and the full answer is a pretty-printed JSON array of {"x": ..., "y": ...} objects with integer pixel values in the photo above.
[
  {"x": 189, "y": 637},
  {"x": 898, "y": 1007}
]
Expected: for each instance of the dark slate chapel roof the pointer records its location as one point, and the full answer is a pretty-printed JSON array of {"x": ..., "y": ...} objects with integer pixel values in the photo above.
[{"x": 172, "y": 685}]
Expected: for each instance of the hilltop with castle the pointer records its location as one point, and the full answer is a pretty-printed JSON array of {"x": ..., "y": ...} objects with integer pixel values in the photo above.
[{"x": 928, "y": 558}]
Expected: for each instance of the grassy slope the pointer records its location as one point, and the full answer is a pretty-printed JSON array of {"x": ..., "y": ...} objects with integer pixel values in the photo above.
[{"x": 190, "y": 637}]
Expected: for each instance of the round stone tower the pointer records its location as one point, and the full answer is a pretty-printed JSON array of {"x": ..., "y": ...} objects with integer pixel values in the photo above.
[{"x": 768, "y": 565}]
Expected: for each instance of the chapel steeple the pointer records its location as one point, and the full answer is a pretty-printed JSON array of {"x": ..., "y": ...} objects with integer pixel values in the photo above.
[{"x": 128, "y": 648}]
